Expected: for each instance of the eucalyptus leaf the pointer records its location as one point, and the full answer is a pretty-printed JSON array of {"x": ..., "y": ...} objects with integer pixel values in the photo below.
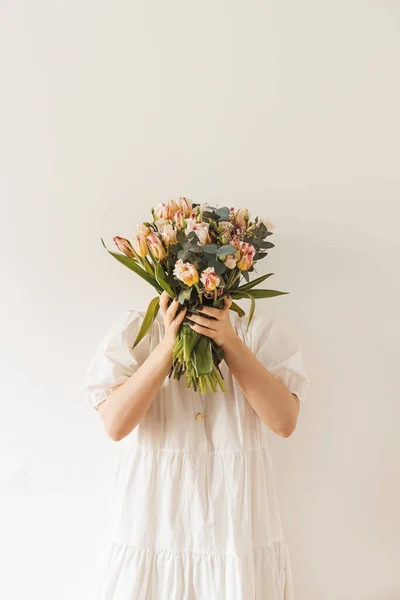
[
  {"x": 223, "y": 212},
  {"x": 148, "y": 320},
  {"x": 211, "y": 215},
  {"x": 225, "y": 250},
  {"x": 196, "y": 249},
  {"x": 219, "y": 266},
  {"x": 210, "y": 248},
  {"x": 181, "y": 239}
]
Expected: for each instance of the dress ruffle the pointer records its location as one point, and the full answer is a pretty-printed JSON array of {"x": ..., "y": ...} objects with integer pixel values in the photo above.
[{"x": 140, "y": 573}]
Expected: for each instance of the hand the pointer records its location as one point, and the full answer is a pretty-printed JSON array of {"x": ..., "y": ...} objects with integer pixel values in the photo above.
[
  {"x": 172, "y": 319},
  {"x": 219, "y": 328}
]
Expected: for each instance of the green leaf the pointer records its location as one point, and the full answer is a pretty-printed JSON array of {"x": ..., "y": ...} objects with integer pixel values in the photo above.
[
  {"x": 251, "y": 284},
  {"x": 210, "y": 248},
  {"x": 223, "y": 212},
  {"x": 196, "y": 249},
  {"x": 148, "y": 320},
  {"x": 219, "y": 266},
  {"x": 225, "y": 250},
  {"x": 236, "y": 308},
  {"x": 202, "y": 358},
  {"x": 211, "y": 215},
  {"x": 161, "y": 279},
  {"x": 266, "y": 245},
  {"x": 133, "y": 266},
  {"x": 252, "y": 307},
  {"x": 257, "y": 294}
]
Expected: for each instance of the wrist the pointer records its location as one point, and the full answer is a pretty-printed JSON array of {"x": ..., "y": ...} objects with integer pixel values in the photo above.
[
  {"x": 167, "y": 344},
  {"x": 230, "y": 341}
]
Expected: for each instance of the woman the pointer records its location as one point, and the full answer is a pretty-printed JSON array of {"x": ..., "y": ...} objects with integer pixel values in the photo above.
[{"x": 196, "y": 513}]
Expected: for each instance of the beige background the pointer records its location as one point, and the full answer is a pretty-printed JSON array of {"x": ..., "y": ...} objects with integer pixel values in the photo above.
[{"x": 289, "y": 108}]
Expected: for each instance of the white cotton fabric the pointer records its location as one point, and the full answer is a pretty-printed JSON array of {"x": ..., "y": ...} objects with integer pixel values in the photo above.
[{"x": 194, "y": 512}]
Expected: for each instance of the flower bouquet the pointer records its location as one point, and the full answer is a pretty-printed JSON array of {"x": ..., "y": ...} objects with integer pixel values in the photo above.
[{"x": 198, "y": 253}]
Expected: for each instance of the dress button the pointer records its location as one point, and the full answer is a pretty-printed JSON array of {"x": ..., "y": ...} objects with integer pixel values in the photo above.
[{"x": 199, "y": 416}]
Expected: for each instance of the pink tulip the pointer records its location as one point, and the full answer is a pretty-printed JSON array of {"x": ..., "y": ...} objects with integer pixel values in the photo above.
[
  {"x": 242, "y": 216},
  {"x": 161, "y": 211},
  {"x": 172, "y": 208},
  {"x": 179, "y": 219},
  {"x": 186, "y": 205},
  {"x": 247, "y": 252},
  {"x": 186, "y": 272},
  {"x": 139, "y": 245},
  {"x": 230, "y": 261},
  {"x": 210, "y": 279},
  {"x": 169, "y": 234},
  {"x": 124, "y": 246},
  {"x": 224, "y": 229},
  {"x": 201, "y": 229},
  {"x": 156, "y": 246}
]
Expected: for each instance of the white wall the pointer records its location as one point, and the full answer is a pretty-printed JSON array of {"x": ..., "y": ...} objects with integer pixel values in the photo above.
[{"x": 290, "y": 108}]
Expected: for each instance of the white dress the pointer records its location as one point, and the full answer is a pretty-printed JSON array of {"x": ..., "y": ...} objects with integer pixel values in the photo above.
[{"x": 195, "y": 513}]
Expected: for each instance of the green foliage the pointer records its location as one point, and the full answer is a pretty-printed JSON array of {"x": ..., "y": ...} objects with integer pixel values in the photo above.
[
  {"x": 134, "y": 266},
  {"x": 148, "y": 320}
]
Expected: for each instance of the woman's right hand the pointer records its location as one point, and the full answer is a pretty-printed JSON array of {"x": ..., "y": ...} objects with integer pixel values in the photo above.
[{"x": 172, "y": 319}]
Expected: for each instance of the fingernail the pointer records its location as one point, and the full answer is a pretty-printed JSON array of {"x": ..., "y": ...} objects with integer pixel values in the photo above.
[{"x": 199, "y": 308}]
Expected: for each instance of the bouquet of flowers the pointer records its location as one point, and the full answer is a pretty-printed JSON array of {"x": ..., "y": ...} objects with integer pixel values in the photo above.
[{"x": 198, "y": 253}]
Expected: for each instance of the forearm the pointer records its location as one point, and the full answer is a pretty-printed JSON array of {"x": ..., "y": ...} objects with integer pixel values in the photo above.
[
  {"x": 128, "y": 404},
  {"x": 271, "y": 400}
]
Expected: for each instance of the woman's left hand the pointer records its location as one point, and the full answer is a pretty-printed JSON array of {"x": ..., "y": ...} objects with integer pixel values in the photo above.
[{"x": 219, "y": 328}]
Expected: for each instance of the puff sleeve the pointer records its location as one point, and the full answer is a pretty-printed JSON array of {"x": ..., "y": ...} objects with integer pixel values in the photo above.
[
  {"x": 114, "y": 361},
  {"x": 281, "y": 355}
]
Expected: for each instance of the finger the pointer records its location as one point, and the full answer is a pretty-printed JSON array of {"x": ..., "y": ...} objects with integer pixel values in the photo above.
[
  {"x": 210, "y": 310},
  {"x": 171, "y": 311},
  {"x": 203, "y": 321},
  {"x": 179, "y": 317},
  {"x": 203, "y": 330},
  {"x": 164, "y": 299},
  {"x": 227, "y": 302}
]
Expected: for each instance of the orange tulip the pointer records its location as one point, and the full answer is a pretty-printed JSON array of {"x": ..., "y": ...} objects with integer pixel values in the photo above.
[
  {"x": 186, "y": 272},
  {"x": 139, "y": 245}
]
